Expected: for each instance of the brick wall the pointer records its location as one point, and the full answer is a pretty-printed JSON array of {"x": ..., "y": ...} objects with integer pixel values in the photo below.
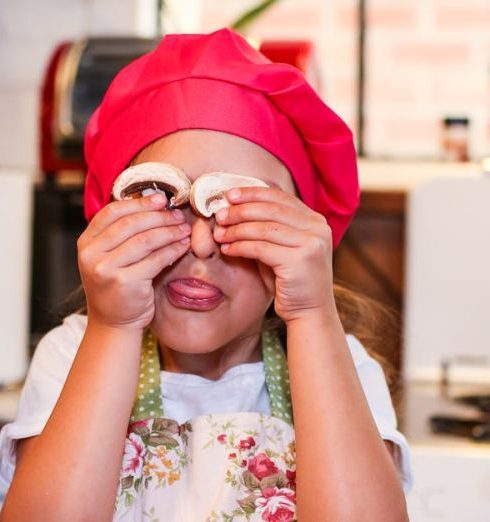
[
  {"x": 433, "y": 63},
  {"x": 426, "y": 59}
]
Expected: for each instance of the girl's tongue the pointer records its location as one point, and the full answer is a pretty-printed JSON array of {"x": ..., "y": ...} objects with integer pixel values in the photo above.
[{"x": 194, "y": 288}]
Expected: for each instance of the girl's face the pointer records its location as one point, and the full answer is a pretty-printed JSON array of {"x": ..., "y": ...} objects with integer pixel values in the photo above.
[{"x": 246, "y": 287}]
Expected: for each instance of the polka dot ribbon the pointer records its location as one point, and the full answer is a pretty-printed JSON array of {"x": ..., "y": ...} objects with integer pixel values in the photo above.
[
  {"x": 148, "y": 402},
  {"x": 277, "y": 376}
]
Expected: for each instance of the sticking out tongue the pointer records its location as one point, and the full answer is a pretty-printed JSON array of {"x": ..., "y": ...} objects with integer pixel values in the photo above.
[{"x": 194, "y": 289}]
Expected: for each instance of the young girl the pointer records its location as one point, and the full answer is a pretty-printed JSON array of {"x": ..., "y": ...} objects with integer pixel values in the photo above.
[{"x": 172, "y": 398}]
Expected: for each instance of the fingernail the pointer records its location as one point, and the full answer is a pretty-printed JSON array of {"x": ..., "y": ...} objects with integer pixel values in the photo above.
[
  {"x": 177, "y": 214},
  {"x": 157, "y": 198},
  {"x": 219, "y": 232},
  {"x": 233, "y": 193},
  {"x": 221, "y": 215},
  {"x": 186, "y": 240},
  {"x": 185, "y": 227}
]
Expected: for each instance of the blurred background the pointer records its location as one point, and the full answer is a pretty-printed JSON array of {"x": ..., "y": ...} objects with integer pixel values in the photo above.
[{"x": 412, "y": 79}]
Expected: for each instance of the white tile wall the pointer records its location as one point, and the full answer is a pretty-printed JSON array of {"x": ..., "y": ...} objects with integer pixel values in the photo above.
[
  {"x": 183, "y": 16},
  {"x": 29, "y": 32},
  {"x": 111, "y": 16},
  {"x": 28, "y": 20},
  {"x": 22, "y": 62},
  {"x": 15, "y": 230},
  {"x": 18, "y": 126}
]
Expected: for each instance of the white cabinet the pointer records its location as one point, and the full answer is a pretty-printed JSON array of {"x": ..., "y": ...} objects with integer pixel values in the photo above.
[
  {"x": 15, "y": 234},
  {"x": 451, "y": 484}
]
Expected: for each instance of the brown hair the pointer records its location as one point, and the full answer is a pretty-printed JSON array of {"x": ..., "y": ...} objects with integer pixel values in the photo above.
[{"x": 377, "y": 327}]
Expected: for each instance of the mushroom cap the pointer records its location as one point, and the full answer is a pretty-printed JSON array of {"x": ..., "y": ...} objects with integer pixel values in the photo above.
[
  {"x": 208, "y": 191},
  {"x": 161, "y": 176}
]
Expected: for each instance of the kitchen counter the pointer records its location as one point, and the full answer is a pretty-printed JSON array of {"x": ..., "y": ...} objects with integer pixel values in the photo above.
[
  {"x": 425, "y": 398},
  {"x": 451, "y": 474},
  {"x": 402, "y": 176}
]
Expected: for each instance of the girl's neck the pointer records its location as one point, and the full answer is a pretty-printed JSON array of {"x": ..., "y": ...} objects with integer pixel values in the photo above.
[{"x": 214, "y": 364}]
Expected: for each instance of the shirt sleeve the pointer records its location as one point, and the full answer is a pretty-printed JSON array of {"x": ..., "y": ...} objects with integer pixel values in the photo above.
[
  {"x": 378, "y": 397},
  {"x": 47, "y": 373}
]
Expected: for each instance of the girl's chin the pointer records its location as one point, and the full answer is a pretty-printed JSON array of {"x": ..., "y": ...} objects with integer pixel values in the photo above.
[
  {"x": 191, "y": 348},
  {"x": 180, "y": 341}
]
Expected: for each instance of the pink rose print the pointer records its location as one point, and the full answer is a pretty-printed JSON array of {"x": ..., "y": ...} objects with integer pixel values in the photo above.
[
  {"x": 277, "y": 505},
  {"x": 134, "y": 452},
  {"x": 262, "y": 466},
  {"x": 247, "y": 443},
  {"x": 291, "y": 476},
  {"x": 137, "y": 424},
  {"x": 232, "y": 456},
  {"x": 221, "y": 438}
]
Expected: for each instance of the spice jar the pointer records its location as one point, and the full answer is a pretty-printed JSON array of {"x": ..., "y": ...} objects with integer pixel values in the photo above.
[{"x": 455, "y": 139}]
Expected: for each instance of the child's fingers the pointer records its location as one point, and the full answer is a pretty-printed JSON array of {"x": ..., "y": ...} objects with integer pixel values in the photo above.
[
  {"x": 143, "y": 244},
  {"x": 154, "y": 263},
  {"x": 299, "y": 218},
  {"x": 269, "y": 231},
  {"x": 268, "y": 253},
  {"x": 117, "y": 209},
  {"x": 131, "y": 225},
  {"x": 266, "y": 195}
]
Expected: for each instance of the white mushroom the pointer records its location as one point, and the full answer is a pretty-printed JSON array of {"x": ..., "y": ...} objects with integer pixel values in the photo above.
[
  {"x": 208, "y": 191},
  {"x": 152, "y": 177}
]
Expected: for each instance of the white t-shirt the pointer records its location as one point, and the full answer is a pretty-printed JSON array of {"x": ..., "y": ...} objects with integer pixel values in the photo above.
[{"x": 185, "y": 396}]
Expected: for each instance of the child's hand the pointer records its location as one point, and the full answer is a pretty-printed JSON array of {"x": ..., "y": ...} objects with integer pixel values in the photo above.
[
  {"x": 125, "y": 246},
  {"x": 279, "y": 230}
]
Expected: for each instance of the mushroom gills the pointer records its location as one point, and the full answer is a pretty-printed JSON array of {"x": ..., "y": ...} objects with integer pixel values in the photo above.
[
  {"x": 149, "y": 178},
  {"x": 147, "y": 188}
]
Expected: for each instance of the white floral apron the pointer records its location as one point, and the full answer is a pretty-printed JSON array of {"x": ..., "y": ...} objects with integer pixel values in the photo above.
[{"x": 219, "y": 467}]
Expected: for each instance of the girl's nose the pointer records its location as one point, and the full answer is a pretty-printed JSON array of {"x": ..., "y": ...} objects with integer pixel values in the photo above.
[{"x": 203, "y": 244}]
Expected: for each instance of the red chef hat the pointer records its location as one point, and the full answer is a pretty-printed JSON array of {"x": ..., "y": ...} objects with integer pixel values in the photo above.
[{"x": 218, "y": 81}]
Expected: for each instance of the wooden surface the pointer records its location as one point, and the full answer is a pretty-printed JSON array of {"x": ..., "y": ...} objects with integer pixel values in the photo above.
[{"x": 370, "y": 258}]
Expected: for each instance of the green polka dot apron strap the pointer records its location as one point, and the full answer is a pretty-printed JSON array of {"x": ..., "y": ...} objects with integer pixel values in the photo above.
[
  {"x": 148, "y": 401},
  {"x": 277, "y": 376}
]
